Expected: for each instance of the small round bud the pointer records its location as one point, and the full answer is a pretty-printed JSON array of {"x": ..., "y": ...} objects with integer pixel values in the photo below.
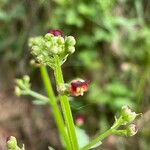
[
  {"x": 12, "y": 143},
  {"x": 128, "y": 115},
  {"x": 48, "y": 44},
  {"x": 36, "y": 50},
  {"x": 54, "y": 49},
  {"x": 40, "y": 59},
  {"x": 60, "y": 40},
  {"x": 56, "y": 32},
  {"x": 18, "y": 91},
  {"x": 131, "y": 130},
  {"x": 80, "y": 120},
  {"x": 34, "y": 63},
  {"x": 31, "y": 42},
  {"x": 71, "y": 49},
  {"x": 49, "y": 36},
  {"x": 26, "y": 78},
  {"x": 70, "y": 40}
]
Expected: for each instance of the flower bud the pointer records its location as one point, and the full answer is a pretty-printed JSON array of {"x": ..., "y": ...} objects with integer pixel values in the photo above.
[
  {"x": 70, "y": 40},
  {"x": 56, "y": 32},
  {"x": 71, "y": 49},
  {"x": 48, "y": 44},
  {"x": 12, "y": 143},
  {"x": 48, "y": 36},
  {"x": 131, "y": 130},
  {"x": 80, "y": 120},
  {"x": 26, "y": 78},
  {"x": 54, "y": 49},
  {"x": 78, "y": 87},
  {"x": 60, "y": 40},
  {"x": 18, "y": 91},
  {"x": 128, "y": 115}
]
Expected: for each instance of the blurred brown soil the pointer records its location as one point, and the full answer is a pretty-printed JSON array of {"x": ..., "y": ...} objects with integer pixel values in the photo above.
[{"x": 32, "y": 125}]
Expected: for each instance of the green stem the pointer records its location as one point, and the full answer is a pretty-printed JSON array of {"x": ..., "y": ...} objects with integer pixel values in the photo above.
[
  {"x": 104, "y": 135},
  {"x": 37, "y": 95},
  {"x": 56, "y": 111},
  {"x": 66, "y": 106}
]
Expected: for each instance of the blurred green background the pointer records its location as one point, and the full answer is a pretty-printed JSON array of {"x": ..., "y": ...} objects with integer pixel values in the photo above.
[{"x": 112, "y": 52}]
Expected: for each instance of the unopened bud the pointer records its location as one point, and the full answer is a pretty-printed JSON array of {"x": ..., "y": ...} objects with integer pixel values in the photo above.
[
  {"x": 70, "y": 41},
  {"x": 48, "y": 36},
  {"x": 60, "y": 40},
  {"x": 71, "y": 49},
  {"x": 18, "y": 91},
  {"x": 128, "y": 115},
  {"x": 131, "y": 130},
  {"x": 80, "y": 119},
  {"x": 26, "y": 78},
  {"x": 56, "y": 32},
  {"x": 54, "y": 49},
  {"x": 12, "y": 143}
]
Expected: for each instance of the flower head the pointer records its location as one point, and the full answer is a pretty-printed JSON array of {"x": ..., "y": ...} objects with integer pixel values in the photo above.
[
  {"x": 128, "y": 115},
  {"x": 78, "y": 87},
  {"x": 46, "y": 48},
  {"x": 131, "y": 130},
  {"x": 56, "y": 32}
]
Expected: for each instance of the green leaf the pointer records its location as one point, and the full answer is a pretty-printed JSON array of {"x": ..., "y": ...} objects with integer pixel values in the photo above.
[
  {"x": 117, "y": 89},
  {"x": 72, "y": 18}
]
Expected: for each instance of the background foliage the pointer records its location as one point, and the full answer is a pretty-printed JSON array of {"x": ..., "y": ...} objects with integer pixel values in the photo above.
[{"x": 112, "y": 51}]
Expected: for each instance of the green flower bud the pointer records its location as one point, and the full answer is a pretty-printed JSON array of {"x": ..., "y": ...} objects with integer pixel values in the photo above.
[
  {"x": 60, "y": 40},
  {"x": 54, "y": 49},
  {"x": 12, "y": 143},
  {"x": 128, "y": 115},
  {"x": 26, "y": 78},
  {"x": 70, "y": 40},
  {"x": 31, "y": 42},
  {"x": 71, "y": 49},
  {"x": 48, "y": 44},
  {"x": 18, "y": 91},
  {"x": 36, "y": 50},
  {"x": 49, "y": 36},
  {"x": 40, "y": 59},
  {"x": 131, "y": 130}
]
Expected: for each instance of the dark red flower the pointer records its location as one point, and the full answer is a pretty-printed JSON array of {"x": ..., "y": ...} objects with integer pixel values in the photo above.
[
  {"x": 78, "y": 87},
  {"x": 80, "y": 120},
  {"x": 56, "y": 32}
]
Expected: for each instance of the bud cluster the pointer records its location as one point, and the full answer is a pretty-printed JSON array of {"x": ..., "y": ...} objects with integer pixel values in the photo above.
[
  {"x": 12, "y": 144},
  {"x": 126, "y": 118},
  {"x": 52, "y": 44},
  {"x": 22, "y": 85},
  {"x": 128, "y": 115}
]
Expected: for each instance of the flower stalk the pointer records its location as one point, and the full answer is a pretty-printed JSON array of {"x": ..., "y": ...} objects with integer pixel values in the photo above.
[
  {"x": 56, "y": 111},
  {"x": 66, "y": 106}
]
